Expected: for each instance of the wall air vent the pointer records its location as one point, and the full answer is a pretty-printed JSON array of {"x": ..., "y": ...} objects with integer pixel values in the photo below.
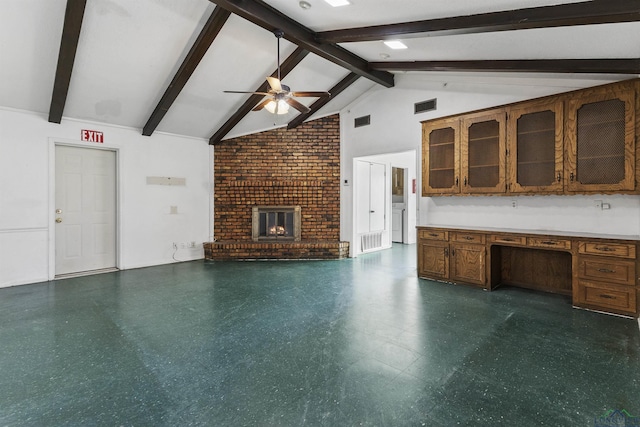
[
  {"x": 362, "y": 121},
  {"x": 424, "y": 106}
]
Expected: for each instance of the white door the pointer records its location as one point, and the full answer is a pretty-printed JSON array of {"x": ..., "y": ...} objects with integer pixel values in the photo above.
[
  {"x": 377, "y": 197},
  {"x": 370, "y": 196},
  {"x": 85, "y": 228}
]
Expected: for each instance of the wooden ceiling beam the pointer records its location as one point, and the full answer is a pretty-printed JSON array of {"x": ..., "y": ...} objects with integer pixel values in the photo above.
[
  {"x": 206, "y": 37},
  {"x": 289, "y": 64},
  {"x": 265, "y": 16},
  {"x": 602, "y": 66},
  {"x": 66, "y": 56},
  {"x": 334, "y": 91},
  {"x": 583, "y": 13}
]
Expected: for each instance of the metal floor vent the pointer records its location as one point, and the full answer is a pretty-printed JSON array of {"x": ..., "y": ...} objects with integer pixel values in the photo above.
[
  {"x": 424, "y": 106},
  {"x": 371, "y": 241}
]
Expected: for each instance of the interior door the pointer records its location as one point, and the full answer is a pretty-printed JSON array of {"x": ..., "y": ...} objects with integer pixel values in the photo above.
[{"x": 85, "y": 224}]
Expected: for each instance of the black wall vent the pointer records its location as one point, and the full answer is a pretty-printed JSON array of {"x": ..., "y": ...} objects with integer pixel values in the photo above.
[
  {"x": 362, "y": 121},
  {"x": 421, "y": 107}
]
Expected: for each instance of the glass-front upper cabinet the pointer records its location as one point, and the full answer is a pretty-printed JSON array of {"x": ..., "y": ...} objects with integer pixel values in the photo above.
[
  {"x": 483, "y": 152},
  {"x": 441, "y": 157},
  {"x": 535, "y": 147},
  {"x": 600, "y": 140}
]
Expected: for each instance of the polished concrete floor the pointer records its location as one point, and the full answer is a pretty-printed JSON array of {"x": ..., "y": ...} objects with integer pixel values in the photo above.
[{"x": 318, "y": 343}]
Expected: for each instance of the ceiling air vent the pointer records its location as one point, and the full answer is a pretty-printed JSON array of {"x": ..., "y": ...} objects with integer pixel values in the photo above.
[
  {"x": 362, "y": 121},
  {"x": 421, "y": 107}
]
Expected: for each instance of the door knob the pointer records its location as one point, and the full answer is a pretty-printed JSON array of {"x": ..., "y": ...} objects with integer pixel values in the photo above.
[{"x": 58, "y": 220}]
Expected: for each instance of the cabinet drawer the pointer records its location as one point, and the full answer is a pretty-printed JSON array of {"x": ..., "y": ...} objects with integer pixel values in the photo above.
[
  {"x": 607, "y": 270},
  {"x": 549, "y": 242},
  {"x": 467, "y": 237},
  {"x": 598, "y": 295},
  {"x": 434, "y": 234},
  {"x": 509, "y": 240},
  {"x": 620, "y": 250}
]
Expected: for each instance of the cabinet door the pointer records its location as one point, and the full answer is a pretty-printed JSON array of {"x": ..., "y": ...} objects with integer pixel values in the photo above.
[
  {"x": 433, "y": 259},
  {"x": 440, "y": 157},
  {"x": 600, "y": 134},
  {"x": 536, "y": 153},
  {"x": 468, "y": 263},
  {"x": 483, "y": 153}
]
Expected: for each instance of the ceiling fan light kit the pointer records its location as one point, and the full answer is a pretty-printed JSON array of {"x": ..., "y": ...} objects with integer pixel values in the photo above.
[{"x": 280, "y": 97}]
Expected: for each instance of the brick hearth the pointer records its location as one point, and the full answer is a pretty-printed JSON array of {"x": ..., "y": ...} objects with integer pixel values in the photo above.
[{"x": 298, "y": 167}]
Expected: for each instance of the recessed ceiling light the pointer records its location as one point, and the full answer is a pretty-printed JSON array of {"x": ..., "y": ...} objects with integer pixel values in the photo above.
[
  {"x": 305, "y": 5},
  {"x": 336, "y": 3},
  {"x": 395, "y": 44}
]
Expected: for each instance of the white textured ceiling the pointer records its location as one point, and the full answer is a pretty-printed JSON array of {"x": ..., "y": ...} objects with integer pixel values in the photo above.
[{"x": 130, "y": 50}]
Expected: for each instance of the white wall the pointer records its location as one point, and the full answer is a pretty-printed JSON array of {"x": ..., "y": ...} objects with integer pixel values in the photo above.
[
  {"x": 146, "y": 229},
  {"x": 395, "y": 128}
]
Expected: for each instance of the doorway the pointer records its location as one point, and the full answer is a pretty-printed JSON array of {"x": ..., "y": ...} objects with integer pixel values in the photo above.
[
  {"x": 398, "y": 203},
  {"x": 370, "y": 204},
  {"x": 85, "y": 210}
]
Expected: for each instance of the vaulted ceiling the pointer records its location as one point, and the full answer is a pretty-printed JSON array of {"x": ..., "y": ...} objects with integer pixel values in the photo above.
[{"x": 163, "y": 65}]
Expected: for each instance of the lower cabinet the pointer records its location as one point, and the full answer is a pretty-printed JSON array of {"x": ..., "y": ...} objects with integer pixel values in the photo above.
[
  {"x": 606, "y": 277},
  {"x": 439, "y": 259},
  {"x": 599, "y": 274}
]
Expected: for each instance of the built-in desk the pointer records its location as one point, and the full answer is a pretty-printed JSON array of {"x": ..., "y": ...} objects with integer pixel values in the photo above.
[{"x": 598, "y": 271}]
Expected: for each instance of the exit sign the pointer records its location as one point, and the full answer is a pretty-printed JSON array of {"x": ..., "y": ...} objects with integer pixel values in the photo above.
[{"x": 92, "y": 136}]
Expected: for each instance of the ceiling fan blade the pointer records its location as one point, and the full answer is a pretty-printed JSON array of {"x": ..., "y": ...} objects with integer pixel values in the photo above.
[
  {"x": 274, "y": 83},
  {"x": 311, "y": 94},
  {"x": 262, "y": 104},
  {"x": 255, "y": 93},
  {"x": 298, "y": 106}
]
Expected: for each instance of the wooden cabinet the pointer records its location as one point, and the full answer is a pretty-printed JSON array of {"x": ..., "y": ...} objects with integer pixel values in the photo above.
[
  {"x": 441, "y": 157},
  {"x": 580, "y": 142},
  {"x": 606, "y": 277},
  {"x": 483, "y": 152},
  {"x": 599, "y": 274},
  {"x": 535, "y": 147},
  {"x": 600, "y": 143},
  {"x": 441, "y": 256}
]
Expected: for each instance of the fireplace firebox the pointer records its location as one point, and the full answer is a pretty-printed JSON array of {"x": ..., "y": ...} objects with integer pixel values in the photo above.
[{"x": 278, "y": 223}]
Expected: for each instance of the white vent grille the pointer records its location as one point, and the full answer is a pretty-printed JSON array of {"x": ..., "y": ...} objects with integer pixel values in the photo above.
[{"x": 371, "y": 241}]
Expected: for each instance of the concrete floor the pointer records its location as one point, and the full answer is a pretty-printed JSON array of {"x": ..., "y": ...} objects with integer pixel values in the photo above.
[{"x": 319, "y": 343}]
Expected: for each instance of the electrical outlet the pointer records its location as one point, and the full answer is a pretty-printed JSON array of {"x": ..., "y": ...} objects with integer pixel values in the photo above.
[{"x": 191, "y": 244}]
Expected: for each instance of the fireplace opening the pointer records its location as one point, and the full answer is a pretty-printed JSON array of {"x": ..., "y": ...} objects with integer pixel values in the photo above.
[{"x": 276, "y": 223}]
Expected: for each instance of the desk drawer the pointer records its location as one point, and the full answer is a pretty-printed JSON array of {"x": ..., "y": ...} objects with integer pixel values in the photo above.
[
  {"x": 607, "y": 270},
  {"x": 620, "y": 250},
  {"x": 598, "y": 295},
  {"x": 463, "y": 237},
  {"x": 509, "y": 240},
  {"x": 434, "y": 235},
  {"x": 549, "y": 242}
]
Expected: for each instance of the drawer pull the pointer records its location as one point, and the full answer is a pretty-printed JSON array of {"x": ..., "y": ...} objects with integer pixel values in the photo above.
[
  {"x": 433, "y": 234},
  {"x": 604, "y": 249},
  {"x": 446, "y": 251},
  {"x": 507, "y": 239},
  {"x": 606, "y": 270},
  {"x": 468, "y": 238},
  {"x": 607, "y": 296},
  {"x": 549, "y": 242}
]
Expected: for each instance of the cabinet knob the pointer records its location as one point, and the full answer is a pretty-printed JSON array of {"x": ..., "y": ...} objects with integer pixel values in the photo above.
[
  {"x": 571, "y": 177},
  {"x": 559, "y": 177},
  {"x": 465, "y": 181}
]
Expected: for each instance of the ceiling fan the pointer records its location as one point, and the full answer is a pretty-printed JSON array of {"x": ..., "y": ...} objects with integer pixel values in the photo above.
[{"x": 280, "y": 96}]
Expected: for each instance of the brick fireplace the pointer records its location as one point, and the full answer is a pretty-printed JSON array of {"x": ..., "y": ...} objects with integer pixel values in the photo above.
[{"x": 298, "y": 168}]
